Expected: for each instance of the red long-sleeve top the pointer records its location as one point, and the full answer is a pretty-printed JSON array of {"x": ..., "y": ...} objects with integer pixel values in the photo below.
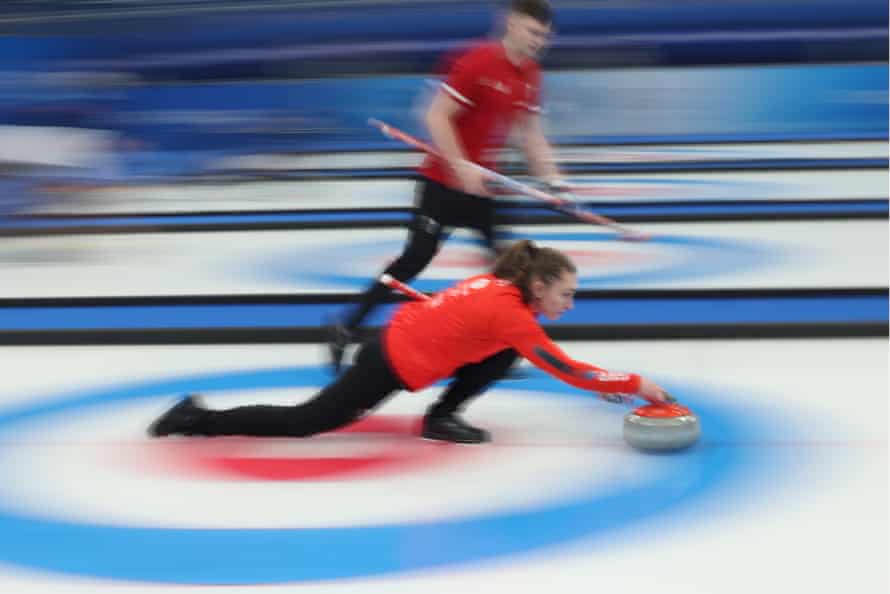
[{"x": 428, "y": 340}]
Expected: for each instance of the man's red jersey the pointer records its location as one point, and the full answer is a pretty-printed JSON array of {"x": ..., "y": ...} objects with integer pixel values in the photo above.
[
  {"x": 428, "y": 340},
  {"x": 493, "y": 92}
]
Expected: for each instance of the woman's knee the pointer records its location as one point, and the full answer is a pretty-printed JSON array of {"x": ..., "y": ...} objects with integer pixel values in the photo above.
[{"x": 504, "y": 360}]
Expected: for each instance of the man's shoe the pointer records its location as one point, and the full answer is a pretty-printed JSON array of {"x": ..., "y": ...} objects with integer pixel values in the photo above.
[
  {"x": 180, "y": 419},
  {"x": 452, "y": 428},
  {"x": 339, "y": 337}
]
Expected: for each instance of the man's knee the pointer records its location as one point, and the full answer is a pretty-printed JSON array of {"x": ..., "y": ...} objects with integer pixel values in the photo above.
[{"x": 412, "y": 261}]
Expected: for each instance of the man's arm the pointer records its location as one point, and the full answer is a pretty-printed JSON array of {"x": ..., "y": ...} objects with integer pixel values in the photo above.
[
  {"x": 440, "y": 118},
  {"x": 538, "y": 150}
]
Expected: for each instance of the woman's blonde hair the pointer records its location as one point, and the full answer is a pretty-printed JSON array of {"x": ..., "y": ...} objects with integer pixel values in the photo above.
[{"x": 524, "y": 262}]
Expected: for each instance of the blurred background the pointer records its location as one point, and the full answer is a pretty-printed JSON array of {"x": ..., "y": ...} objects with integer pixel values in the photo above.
[
  {"x": 188, "y": 188},
  {"x": 148, "y": 92}
]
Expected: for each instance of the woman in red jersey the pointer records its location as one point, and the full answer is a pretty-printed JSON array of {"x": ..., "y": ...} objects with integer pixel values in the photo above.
[{"x": 472, "y": 332}]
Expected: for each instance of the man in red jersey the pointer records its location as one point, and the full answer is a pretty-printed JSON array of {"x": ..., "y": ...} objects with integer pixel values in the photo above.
[
  {"x": 471, "y": 333},
  {"x": 489, "y": 91}
]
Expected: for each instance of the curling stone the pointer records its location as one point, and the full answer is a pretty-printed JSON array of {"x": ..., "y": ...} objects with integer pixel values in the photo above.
[{"x": 661, "y": 427}]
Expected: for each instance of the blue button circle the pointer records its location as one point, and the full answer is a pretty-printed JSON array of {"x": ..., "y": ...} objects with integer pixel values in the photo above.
[{"x": 254, "y": 556}]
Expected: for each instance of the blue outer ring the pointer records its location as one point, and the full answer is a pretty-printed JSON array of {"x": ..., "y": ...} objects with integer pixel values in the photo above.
[
  {"x": 706, "y": 257},
  {"x": 251, "y": 556}
]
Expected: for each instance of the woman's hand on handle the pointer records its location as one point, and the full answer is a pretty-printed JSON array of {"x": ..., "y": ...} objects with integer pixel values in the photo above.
[{"x": 654, "y": 393}]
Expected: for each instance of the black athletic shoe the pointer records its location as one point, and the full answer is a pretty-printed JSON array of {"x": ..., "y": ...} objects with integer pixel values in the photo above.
[
  {"x": 180, "y": 419},
  {"x": 339, "y": 337},
  {"x": 452, "y": 428}
]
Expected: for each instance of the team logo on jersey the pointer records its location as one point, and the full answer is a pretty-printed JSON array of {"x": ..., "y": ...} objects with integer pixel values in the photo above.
[{"x": 497, "y": 85}]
